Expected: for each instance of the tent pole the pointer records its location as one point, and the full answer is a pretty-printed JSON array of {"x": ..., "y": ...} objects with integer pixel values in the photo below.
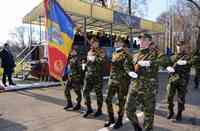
[{"x": 111, "y": 31}]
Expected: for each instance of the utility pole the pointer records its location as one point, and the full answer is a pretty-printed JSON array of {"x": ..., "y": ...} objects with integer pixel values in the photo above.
[{"x": 130, "y": 28}]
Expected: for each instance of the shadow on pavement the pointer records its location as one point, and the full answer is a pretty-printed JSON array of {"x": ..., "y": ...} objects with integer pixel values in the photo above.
[
  {"x": 129, "y": 127},
  {"x": 57, "y": 101},
  {"x": 6, "y": 125},
  {"x": 189, "y": 121},
  {"x": 45, "y": 98}
]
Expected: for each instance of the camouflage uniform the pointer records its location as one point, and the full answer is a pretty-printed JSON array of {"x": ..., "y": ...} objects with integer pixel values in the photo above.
[
  {"x": 93, "y": 79},
  {"x": 118, "y": 84},
  {"x": 143, "y": 90},
  {"x": 177, "y": 83},
  {"x": 74, "y": 80},
  {"x": 196, "y": 60}
]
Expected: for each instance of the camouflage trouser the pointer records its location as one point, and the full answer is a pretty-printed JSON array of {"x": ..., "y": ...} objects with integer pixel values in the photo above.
[
  {"x": 121, "y": 89},
  {"x": 91, "y": 83},
  {"x": 141, "y": 93},
  {"x": 179, "y": 87},
  {"x": 76, "y": 86}
]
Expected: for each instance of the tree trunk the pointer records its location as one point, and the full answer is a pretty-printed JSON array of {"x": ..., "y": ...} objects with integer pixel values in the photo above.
[
  {"x": 198, "y": 39},
  {"x": 198, "y": 7}
]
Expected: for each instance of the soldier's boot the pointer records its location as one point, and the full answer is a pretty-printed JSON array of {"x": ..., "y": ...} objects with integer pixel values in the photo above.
[
  {"x": 77, "y": 106},
  {"x": 171, "y": 113},
  {"x": 111, "y": 120},
  {"x": 119, "y": 123},
  {"x": 179, "y": 113},
  {"x": 89, "y": 111},
  {"x": 98, "y": 113},
  {"x": 137, "y": 127},
  {"x": 69, "y": 105},
  {"x": 196, "y": 81}
]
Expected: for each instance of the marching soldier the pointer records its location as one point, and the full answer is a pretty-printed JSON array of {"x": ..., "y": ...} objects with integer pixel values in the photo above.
[
  {"x": 178, "y": 79},
  {"x": 118, "y": 84},
  {"x": 143, "y": 89},
  {"x": 196, "y": 59},
  {"x": 74, "y": 81},
  {"x": 93, "y": 77}
]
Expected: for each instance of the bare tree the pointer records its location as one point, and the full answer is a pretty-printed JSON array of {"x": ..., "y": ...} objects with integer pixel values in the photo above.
[
  {"x": 197, "y": 5},
  {"x": 19, "y": 35},
  {"x": 137, "y": 6}
]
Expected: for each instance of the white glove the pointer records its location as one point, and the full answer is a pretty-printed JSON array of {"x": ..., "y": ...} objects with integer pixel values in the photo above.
[
  {"x": 144, "y": 63},
  {"x": 133, "y": 75},
  {"x": 181, "y": 62},
  {"x": 118, "y": 49},
  {"x": 170, "y": 69},
  {"x": 91, "y": 58},
  {"x": 83, "y": 66}
]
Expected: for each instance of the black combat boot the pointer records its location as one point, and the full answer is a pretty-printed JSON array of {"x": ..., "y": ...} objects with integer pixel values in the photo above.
[
  {"x": 89, "y": 110},
  {"x": 77, "y": 107},
  {"x": 69, "y": 105},
  {"x": 179, "y": 116},
  {"x": 119, "y": 123},
  {"x": 179, "y": 113},
  {"x": 111, "y": 120},
  {"x": 98, "y": 113},
  {"x": 137, "y": 127},
  {"x": 171, "y": 113}
]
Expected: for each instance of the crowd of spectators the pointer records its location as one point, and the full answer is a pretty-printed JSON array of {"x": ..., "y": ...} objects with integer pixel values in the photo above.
[{"x": 104, "y": 39}]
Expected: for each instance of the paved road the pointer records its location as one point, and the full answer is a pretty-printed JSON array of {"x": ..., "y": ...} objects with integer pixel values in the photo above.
[{"x": 42, "y": 110}]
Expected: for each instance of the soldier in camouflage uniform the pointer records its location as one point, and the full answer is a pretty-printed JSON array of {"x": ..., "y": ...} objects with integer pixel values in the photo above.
[
  {"x": 93, "y": 78},
  {"x": 196, "y": 59},
  {"x": 118, "y": 84},
  {"x": 143, "y": 89},
  {"x": 178, "y": 79},
  {"x": 73, "y": 81}
]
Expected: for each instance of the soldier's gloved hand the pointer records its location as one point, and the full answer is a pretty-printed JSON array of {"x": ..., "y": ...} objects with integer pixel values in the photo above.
[
  {"x": 91, "y": 58},
  {"x": 144, "y": 63},
  {"x": 170, "y": 69},
  {"x": 133, "y": 75},
  {"x": 83, "y": 67},
  {"x": 181, "y": 62}
]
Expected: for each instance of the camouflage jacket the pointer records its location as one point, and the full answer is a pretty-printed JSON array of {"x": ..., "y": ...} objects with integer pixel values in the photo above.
[
  {"x": 75, "y": 69},
  {"x": 94, "y": 68},
  {"x": 118, "y": 72},
  {"x": 181, "y": 71},
  {"x": 196, "y": 59},
  {"x": 145, "y": 73}
]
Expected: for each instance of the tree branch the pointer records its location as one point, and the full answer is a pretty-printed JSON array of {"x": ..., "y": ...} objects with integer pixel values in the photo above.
[{"x": 194, "y": 3}]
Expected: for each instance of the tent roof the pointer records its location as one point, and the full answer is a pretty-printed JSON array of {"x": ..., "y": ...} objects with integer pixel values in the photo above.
[{"x": 98, "y": 18}]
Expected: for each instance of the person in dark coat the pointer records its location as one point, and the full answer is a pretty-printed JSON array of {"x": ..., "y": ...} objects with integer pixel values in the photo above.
[{"x": 7, "y": 63}]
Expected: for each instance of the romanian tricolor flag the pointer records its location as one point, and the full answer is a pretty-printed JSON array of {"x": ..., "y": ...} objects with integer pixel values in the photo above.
[{"x": 60, "y": 33}]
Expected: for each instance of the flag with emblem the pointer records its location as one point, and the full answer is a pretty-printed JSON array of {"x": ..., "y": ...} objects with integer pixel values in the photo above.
[{"x": 60, "y": 34}]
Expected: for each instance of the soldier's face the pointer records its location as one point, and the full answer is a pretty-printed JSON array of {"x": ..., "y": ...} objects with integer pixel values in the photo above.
[
  {"x": 181, "y": 49},
  {"x": 95, "y": 44},
  {"x": 144, "y": 43},
  {"x": 118, "y": 44}
]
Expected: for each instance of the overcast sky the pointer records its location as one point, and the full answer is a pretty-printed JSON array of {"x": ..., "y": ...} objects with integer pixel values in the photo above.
[{"x": 12, "y": 12}]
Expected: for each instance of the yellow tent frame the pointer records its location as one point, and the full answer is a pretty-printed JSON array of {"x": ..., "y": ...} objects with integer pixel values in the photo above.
[{"x": 91, "y": 16}]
